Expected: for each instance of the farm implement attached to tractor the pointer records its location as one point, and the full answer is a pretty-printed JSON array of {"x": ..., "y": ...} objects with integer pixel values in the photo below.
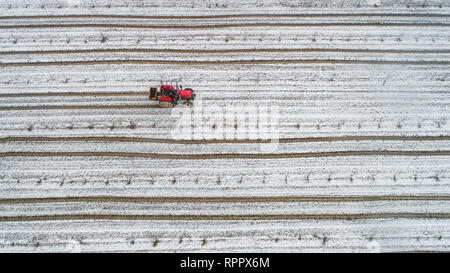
[{"x": 169, "y": 96}]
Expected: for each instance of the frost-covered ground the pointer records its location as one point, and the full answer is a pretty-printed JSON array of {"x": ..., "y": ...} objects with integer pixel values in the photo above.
[{"x": 363, "y": 91}]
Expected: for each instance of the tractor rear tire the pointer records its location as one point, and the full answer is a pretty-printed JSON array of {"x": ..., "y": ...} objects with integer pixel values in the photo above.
[{"x": 165, "y": 104}]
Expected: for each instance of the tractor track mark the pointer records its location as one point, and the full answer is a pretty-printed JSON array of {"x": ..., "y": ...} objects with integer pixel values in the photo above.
[
  {"x": 226, "y": 156},
  {"x": 75, "y": 107},
  {"x": 226, "y": 16},
  {"x": 213, "y": 141},
  {"x": 222, "y": 26},
  {"x": 191, "y": 217},
  {"x": 230, "y": 62},
  {"x": 222, "y": 51},
  {"x": 73, "y": 94},
  {"x": 275, "y": 199}
]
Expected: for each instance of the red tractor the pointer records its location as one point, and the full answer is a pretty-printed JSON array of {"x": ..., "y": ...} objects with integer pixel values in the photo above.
[{"x": 168, "y": 96}]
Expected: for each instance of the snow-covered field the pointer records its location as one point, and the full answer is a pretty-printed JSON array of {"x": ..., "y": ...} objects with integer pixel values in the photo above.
[{"x": 87, "y": 163}]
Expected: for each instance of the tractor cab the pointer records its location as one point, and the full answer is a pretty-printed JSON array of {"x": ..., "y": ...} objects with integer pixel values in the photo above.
[
  {"x": 168, "y": 96},
  {"x": 168, "y": 90}
]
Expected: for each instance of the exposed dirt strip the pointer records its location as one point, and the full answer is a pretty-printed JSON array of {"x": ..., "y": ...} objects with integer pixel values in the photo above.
[
  {"x": 226, "y": 16},
  {"x": 230, "y": 62},
  {"x": 245, "y": 199},
  {"x": 241, "y": 25},
  {"x": 222, "y": 51},
  {"x": 224, "y": 217},
  {"x": 212, "y": 141},
  {"x": 225, "y": 156},
  {"x": 73, "y": 94},
  {"x": 76, "y": 107}
]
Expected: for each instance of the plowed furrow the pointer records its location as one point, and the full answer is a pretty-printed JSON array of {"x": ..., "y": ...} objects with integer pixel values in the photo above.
[
  {"x": 226, "y": 16},
  {"x": 75, "y": 107},
  {"x": 219, "y": 26},
  {"x": 73, "y": 94},
  {"x": 229, "y": 62},
  {"x": 225, "y": 199},
  {"x": 175, "y": 141},
  {"x": 224, "y": 51},
  {"x": 225, "y": 217},
  {"x": 225, "y": 156}
]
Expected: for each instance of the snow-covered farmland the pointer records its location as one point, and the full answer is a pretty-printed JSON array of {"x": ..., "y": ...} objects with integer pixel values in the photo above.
[{"x": 87, "y": 163}]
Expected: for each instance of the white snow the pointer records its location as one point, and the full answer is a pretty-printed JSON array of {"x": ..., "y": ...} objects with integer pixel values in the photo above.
[{"x": 407, "y": 97}]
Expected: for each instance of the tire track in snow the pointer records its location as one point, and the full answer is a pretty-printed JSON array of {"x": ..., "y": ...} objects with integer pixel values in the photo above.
[
  {"x": 225, "y": 156},
  {"x": 73, "y": 94},
  {"x": 76, "y": 107},
  {"x": 219, "y": 217},
  {"x": 176, "y": 141}
]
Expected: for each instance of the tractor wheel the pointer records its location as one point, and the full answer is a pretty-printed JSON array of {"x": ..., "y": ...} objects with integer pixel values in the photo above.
[
  {"x": 165, "y": 104},
  {"x": 188, "y": 104}
]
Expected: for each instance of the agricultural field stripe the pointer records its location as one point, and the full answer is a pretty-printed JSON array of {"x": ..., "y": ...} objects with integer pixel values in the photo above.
[
  {"x": 226, "y": 16},
  {"x": 75, "y": 107},
  {"x": 219, "y": 26},
  {"x": 223, "y": 217},
  {"x": 213, "y": 141},
  {"x": 230, "y": 62},
  {"x": 140, "y": 93},
  {"x": 226, "y": 156},
  {"x": 244, "y": 199},
  {"x": 72, "y": 94},
  {"x": 224, "y": 51}
]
